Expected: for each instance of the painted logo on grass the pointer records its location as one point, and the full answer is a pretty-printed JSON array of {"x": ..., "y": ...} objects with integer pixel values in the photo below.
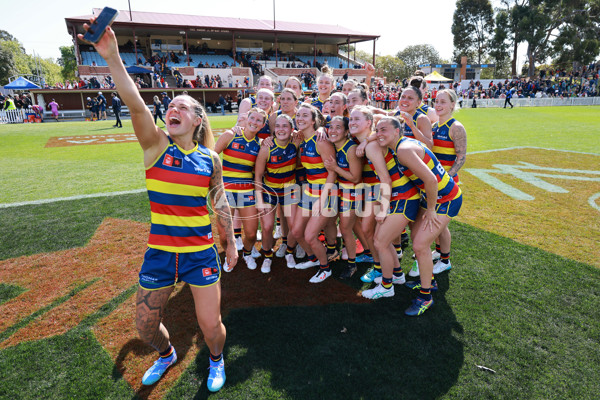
[
  {"x": 541, "y": 197},
  {"x": 58, "y": 291},
  {"x": 82, "y": 140}
]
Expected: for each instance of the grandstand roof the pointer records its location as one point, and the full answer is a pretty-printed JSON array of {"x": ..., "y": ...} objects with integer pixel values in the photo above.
[{"x": 224, "y": 27}]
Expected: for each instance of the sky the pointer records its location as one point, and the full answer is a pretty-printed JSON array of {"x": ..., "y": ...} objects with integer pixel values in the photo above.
[{"x": 399, "y": 23}]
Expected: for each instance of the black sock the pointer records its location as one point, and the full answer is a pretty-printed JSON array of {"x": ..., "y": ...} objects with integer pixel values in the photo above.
[{"x": 168, "y": 352}]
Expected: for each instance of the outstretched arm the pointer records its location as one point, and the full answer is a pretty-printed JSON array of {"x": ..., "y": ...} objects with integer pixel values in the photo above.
[{"x": 149, "y": 136}]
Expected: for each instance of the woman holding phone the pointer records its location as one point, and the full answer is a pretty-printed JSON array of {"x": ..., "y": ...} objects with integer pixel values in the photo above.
[{"x": 181, "y": 169}]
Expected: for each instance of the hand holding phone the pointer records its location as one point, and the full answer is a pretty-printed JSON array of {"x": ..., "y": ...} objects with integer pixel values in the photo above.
[{"x": 96, "y": 30}]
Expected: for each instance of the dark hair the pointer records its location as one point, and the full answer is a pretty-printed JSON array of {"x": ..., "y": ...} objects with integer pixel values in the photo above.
[
  {"x": 287, "y": 118},
  {"x": 344, "y": 120},
  {"x": 288, "y": 90},
  {"x": 416, "y": 81},
  {"x": 362, "y": 92},
  {"x": 317, "y": 117},
  {"x": 416, "y": 90}
]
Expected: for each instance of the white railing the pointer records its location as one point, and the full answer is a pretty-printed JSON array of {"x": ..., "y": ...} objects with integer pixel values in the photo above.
[
  {"x": 528, "y": 102},
  {"x": 12, "y": 116}
]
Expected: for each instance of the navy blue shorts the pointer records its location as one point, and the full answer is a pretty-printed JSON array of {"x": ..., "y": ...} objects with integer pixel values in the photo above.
[
  {"x": 449, "y": 208},
  {"x": 240, "y": 199},
  {"x": 162, "y": 269},
  {"x": 408, "y": 208}
]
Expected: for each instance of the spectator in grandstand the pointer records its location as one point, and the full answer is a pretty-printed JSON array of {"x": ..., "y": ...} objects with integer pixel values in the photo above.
[
  {"x": 116, "y": 106},
  {"x": 175, "y": 252},
  {"x": 54, "y": 108}
]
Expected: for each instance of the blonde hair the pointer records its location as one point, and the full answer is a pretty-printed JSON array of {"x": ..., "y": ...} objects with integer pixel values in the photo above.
[
  {"x": 260, "y": 111},
  {"x": 450, "y": 93},
  {"x": 326, "y": 71}
]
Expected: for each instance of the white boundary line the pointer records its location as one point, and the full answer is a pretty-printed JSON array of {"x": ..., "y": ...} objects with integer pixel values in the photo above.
[
  {"x": 592, "y": 201},
  {"x": 88, "y": 196},
  {"x": 531, "y": 147},
  {"x": 83, "y": 196}
]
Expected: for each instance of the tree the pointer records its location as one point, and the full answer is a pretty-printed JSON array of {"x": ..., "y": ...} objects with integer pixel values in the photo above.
[
  {"x": 7, "y": 64},
  {"x": 578, "y": 42},
  {"x": 21, "y": 59},
  {"x": 392, "y": 67},
  {"x": 472, "y": 26},
  {"x": 541, "y": 22},
  {"x": 416, "y": 55},
  {"x": 499, "y": 45},
  {"x": 68, "y": 62}
]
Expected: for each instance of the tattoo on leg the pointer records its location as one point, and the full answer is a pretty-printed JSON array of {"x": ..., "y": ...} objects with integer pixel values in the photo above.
[{"x": 150, "y": 306}]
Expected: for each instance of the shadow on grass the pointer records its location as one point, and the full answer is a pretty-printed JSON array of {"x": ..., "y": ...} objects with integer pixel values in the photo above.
[
  {"x": 102, "y": 129},
  {"x": 334, "y": 351},
  {"x": 180, "y": 320}
]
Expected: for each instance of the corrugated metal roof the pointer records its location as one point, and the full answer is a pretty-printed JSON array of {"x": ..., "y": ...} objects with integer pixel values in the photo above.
[{"x": 238, "y": 24}]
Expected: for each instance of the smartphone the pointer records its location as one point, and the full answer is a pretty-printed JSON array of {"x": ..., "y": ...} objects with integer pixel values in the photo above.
[{"x": 96, "y": 30}]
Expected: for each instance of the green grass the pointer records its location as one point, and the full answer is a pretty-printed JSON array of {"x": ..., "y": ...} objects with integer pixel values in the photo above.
[
  {"x": 8, "y": 292},
  {"x": 46, "y": 173},
  {"x": 566, "y": 128},
  {"x": 528, "y": 314}
]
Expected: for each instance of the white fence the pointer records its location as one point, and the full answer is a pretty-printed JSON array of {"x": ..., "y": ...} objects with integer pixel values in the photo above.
[
  {"x": 12, "y": 116},
  {"x": 528, "y": 102}
]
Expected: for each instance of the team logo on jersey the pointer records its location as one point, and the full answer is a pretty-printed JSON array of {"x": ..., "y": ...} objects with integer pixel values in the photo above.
[
  {"x": 168, "y": 160},
  {"x": 238, "y": 146},
  {"x": 276, "y": 158},
  {"x": 177, "y": 162},
  {"x": 207, "y": 272}
]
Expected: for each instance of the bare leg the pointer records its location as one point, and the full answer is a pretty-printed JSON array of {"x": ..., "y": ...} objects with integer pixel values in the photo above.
[
  {"x": 384, "y": 236},
  {"x": 249, "y": 220},
  {"x": 149, "y": 311},
  {"x": 267, "y": 221},
  {"x": 207, "y": 301}
]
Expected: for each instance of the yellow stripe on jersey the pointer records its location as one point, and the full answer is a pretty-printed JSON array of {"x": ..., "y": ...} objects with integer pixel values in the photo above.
[
  {"x": 173, "y": 220},
  {"x": 176, "y": 188}
]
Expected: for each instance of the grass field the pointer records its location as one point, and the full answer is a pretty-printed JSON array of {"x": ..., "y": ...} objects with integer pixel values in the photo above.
[{"x": 522, "y": 298}]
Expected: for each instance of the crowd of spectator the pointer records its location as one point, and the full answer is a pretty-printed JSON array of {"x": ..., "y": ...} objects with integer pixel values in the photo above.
[{"x": 17, "y": 101}]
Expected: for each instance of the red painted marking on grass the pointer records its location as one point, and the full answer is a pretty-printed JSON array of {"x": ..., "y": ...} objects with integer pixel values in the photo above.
[
  {"x": 85, "y": 140},
  {"x": 114, "y": 254}
]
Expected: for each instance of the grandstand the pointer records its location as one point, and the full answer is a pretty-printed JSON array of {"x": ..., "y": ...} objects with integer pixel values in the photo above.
[{"x": 193, "y": 44}]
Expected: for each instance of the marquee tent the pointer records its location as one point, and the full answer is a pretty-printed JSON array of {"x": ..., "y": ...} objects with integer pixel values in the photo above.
[
  {"x": 436, "y": 77},
  {"x": 21, "y": 84}
]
